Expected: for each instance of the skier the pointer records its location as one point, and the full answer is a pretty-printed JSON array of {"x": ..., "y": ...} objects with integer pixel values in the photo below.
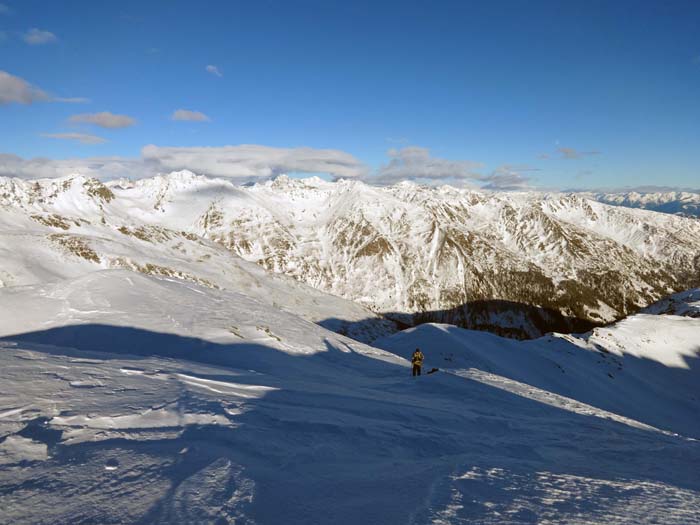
[{"x": 417, "y": 361}]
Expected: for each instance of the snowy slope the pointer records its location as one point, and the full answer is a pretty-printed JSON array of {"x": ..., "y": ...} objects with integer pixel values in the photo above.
[
  {"x": 685, "y": 303},
  {"x": 521, "y": 264},
  {"x": 68, "y": 228},
  {"x": 645, "y": 367},
  {"x": 477, "y": 259},
  {"x": 412, "y": 249},
  {"x": 133, "y": 398}
]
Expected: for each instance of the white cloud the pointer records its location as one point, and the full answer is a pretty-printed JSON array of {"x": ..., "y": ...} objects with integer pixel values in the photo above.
[
  {"x": 83, "y": 138},
  {"x": 186, "y": 114},
  {"x": 214, "y": 70},
  {"x": 249, "y": 162},
  {"x": 415, "y": 163},
  {"x": 72, "y": 100},
  {"x": 243, "y": 163},
  {"x": 104, "y": 119},
  {"x": 567, "y": 154},
  {"x": 36, "y": 37},
  {"x": 508, "y": 178},
  {"x": 18, "y": 90},
  {"x": 104, "y": 168}
]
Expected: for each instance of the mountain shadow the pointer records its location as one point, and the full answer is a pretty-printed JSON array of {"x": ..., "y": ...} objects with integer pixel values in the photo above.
[{"x": 505, "y": 318}]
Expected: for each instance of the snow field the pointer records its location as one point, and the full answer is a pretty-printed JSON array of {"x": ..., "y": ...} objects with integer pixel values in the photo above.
[{"x": 129, "y": 398}]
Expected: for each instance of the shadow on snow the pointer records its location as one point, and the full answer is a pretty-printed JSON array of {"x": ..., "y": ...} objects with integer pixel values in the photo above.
[
  {"x": 501, "y": 317},
  {"x": 346, "y": 439}
]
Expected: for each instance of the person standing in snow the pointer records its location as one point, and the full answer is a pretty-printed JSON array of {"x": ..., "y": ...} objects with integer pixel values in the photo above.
[{"x": 417, "y": 361}]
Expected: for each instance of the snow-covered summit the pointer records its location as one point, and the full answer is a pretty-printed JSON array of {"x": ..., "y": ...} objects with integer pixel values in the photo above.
[
  {"x": 66, "y": 229},
  {"x": 520, "y": 263},
  {"x": 60, "y": 192}
]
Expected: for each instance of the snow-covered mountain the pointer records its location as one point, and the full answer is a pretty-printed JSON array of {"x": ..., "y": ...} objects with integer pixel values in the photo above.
[
  {"x": 684, "y": 203},
  {"x": 517, "y": 263},
  {"x": 136, "y": 398},
  {"x": 68, "y": 228},
  {"x": 151, "y": 375}
]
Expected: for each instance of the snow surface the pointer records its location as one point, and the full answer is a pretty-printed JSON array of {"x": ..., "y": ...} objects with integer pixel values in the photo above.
[
  {"x": 686, "y": 303},
  {"x": 132, "y": 398}
]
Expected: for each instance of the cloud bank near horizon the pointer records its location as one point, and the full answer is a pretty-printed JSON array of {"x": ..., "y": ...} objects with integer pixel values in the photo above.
[
  {"x": 415, "y": 163},
  {"x": 249, "y": 162},
  {"x": 103, "y": 168},
  {"x": 243, "y": 163}
]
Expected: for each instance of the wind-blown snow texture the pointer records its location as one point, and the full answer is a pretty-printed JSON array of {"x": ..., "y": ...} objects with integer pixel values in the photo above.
[
  {"x": 131, "y": 398},
  {"x": 520, "y": 264}
]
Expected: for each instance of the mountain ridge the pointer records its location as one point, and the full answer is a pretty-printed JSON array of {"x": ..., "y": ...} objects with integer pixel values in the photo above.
[
  {"x": 272, "y": 234},
  {"x": 409, "y": 252},
  {"x": 678, "y": 202}
]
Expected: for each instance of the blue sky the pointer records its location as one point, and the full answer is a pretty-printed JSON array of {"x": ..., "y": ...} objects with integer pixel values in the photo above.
[{"x": 550, "y": 94}]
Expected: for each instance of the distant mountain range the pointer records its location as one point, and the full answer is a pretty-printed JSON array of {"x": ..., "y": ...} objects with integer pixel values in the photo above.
[
  {"x": 518, "y": 264},
  {"x": 682, "y": 203}
]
